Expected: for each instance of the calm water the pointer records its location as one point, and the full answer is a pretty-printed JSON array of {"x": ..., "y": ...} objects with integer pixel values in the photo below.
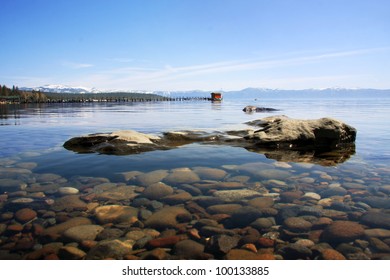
[{"x": 33, "y": 135}]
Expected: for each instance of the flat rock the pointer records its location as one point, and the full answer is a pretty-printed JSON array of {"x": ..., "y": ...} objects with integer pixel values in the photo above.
[
  {"x": 69, "y": 203},
  {"x": 245, "y": 216},
  {"x": 281, "y": 131},
  {"x": 377, "y": 202},
  {"x": 206, "y": 173},
  {"x": 177, "y": 198},
  {"x": 61, "y": 228},
  {"x": 297, "y": 224},
  {"x": 236, "y": 195},
  {"x": 189, "y": 249},
  {"x": 150, "y": 178},
  {"x": 376, "y": 220},
  {"x": 115, "y": 214},
  {"x": 83, "y": 232},
  {"x": 118, "y": 193},
  {"x": 342, "y": 231},
  {"x": 68, "y": 190},
  {"x": 114, "y": 249},
  {"x": 168, "y": 217},
  {"x": 229, "y": 208}
]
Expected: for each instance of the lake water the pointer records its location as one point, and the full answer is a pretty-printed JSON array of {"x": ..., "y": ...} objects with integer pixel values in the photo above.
[{"x": 32, "y": 136}]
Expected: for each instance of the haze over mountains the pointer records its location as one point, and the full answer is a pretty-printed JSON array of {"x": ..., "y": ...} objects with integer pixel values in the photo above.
[{"x": 244, "y": 93}]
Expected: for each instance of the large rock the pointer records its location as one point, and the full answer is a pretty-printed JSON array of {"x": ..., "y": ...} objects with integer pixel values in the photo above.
[
  {"x": 115, "y": 214},
  {"x": 168, "y": 217},
  {"x": 283, "y": 132}
]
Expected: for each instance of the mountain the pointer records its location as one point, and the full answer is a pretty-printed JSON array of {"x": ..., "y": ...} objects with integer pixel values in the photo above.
[{"x": 62, "y": 89}]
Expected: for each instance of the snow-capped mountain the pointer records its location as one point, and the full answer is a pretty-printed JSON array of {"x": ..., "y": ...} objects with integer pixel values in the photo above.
[{"x": 62, "y": 89}]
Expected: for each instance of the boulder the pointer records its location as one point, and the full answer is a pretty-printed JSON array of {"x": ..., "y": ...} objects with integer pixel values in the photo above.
[{"x": 283, "y": 132}]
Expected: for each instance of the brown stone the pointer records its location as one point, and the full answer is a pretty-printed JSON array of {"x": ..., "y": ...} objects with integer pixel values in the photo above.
[
  {"x": 331, "y": 254},
  {"x": 25, "y": 215},
  {"x": 342, "y": 231},
  {"x": 297, "y": 224},
  {"x": 241, "y": 254},
  {"x": 290, "y": 196},
  {"x": 261, "y": 202},
  {"x": 265, "y": 242},
  {"x": 166, "y": 241}
]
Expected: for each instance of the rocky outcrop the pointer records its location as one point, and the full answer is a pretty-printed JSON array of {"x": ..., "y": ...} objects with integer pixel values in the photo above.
[
  {"x": 325, "y": 141},
  {"x": 283, "y": 132}
]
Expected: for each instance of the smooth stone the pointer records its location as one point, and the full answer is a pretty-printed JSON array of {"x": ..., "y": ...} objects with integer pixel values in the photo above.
[
  {"x": 127, "y": 176},
  {"x": 177, "y": 198},
  {"x": 209, "y": 231},
  {"x": 378, "y": 245},
  {"x": 242, "y": 254},
  {"x": 68, "y": 190},
  {"x": 376, "y": 219},
  {"x": 71, "y": 253},
  {"x": 385, "y": 189},
  {"x": 223, "y": 208},
  {"x": 295, "y": 251},
  {"x": 27, "y": 165},
  {"x": 165, "y": 242},
  {"x": 263, "y": 223},
  {"x": 47, "y": 177},
  {"x": 273, "y": 174},
  {"x": 240, "y": 179},
  {"x": 191, "y": 189},
  {"x": 307, "y": 180},
  {"x": 118, "y": 193},
  {"x": 305, "y": 242},
  {"x": 168, "y": 217},
  {"x": 349, "y": 185},
  {"x": 152, "y": 177},
  {"x": 114, "y": 249},
  {"x": 377, "y": 202},
  {"x": 7, "y": 185},
  {"x": 342, "y": 231},
  {"x": 181, "y": 176},
  {"x": 277, "y": 183},
  {"x": 83, "y": 232},
  {"x": 135, "y": 235},
  {"x": 290, "y": 196},
  {"x": 297, "y": 224},
  {"x": 261, "y": 202},
  {"x": 207, "y": 173},
  {"x": 282, "y": 164},
  {"x": 311, "y": 195},
  {"x": 189, "y": 249},
  {"x": 330, "y": 254},
  {"x": 333, "y": 191},
  {"x": 157, "y": 191},
  {"x": 25, "y": 215},
  {"x": 109, "y": 233},
  {"x": 69, "y": 203},
  {"x": 377, "y": 232},
  {"x": 235, "y": 195},
  {"x": 62, "y": 227},
  {"x": 245, "y": 216},
  {"x": 115, "y": 214}
]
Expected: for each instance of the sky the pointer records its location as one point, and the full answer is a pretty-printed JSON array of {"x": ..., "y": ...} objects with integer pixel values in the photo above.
[{"x": 195, "y": 44}]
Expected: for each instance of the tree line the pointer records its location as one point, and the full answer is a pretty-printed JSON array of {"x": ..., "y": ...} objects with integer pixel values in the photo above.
[{"x": 15, "y": 95}]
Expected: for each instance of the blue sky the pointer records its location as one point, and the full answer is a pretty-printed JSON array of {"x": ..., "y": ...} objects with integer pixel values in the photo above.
[{"x": 195, "y": 44}]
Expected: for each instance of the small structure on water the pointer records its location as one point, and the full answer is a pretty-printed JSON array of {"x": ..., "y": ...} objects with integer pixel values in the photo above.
[{"x": 216, "y": 96}]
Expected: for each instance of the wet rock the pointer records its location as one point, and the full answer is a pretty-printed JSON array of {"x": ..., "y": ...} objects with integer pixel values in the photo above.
[
  {"x": 376, "y": 219},
  {"x": 71, "y": 253},
  {"x": 208, "y": 231},
  {"x": 295, "y": 251},
  {"x": 290, "y": 196},
  {"x": 68, "y": 190},
  {"x": 265, "y": 242},
  {"x": 157, "y": 191},
  {"x": 9, "y": 185},
  {"x": 250, "y": 109},
  {"x": 69, "y": 203},
  {"x": 83, "y": 232},
  {"x": 223, "y": 208},
  {"x": 330, "y": 254},
  {"x": 25, "y": 215},
  {"x": 245, "y": 216},
  {"x": 127, "y": 176},
  {"x": 377, "y": 202},
  {"x": 311, "y": 195},
  {"x": 261, "y": 202},
  {"x": 110, "y": 233},
  {"x": 296, "y": 224},
  {"x": 115, "y": 214},
  {"x": 378, "y": 245},
  {"x": 168, "y": 217},
  {"x": 177, "y": 198},
  {"x": 263, "y": 223},
  {"x": 342, "y": 231},
  {"x": 181, "y": 176},
  {"x": 221, "y": 244},
  {"x": 206, "y": 173},
  {"x": 147, "y": 179},
  {"x": 114, "y": 249},
  {"x": 57, "y": 230},
  {"x": 377, "y": 232},
  {"x": 236, "y": 195},
  {"x": 135, "y": 235},
  {"x": 242, "y": 254},
  {"x": 274, "y": 174},
  {"x": 189, "y": 249},
  {"x": 305, "y": 242},
  {"x": 191, "y": 189},
  {"x": 118, "y": 193},
  {"x": 385, "y": 189},
  {"x": 165, "y": 242}
]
